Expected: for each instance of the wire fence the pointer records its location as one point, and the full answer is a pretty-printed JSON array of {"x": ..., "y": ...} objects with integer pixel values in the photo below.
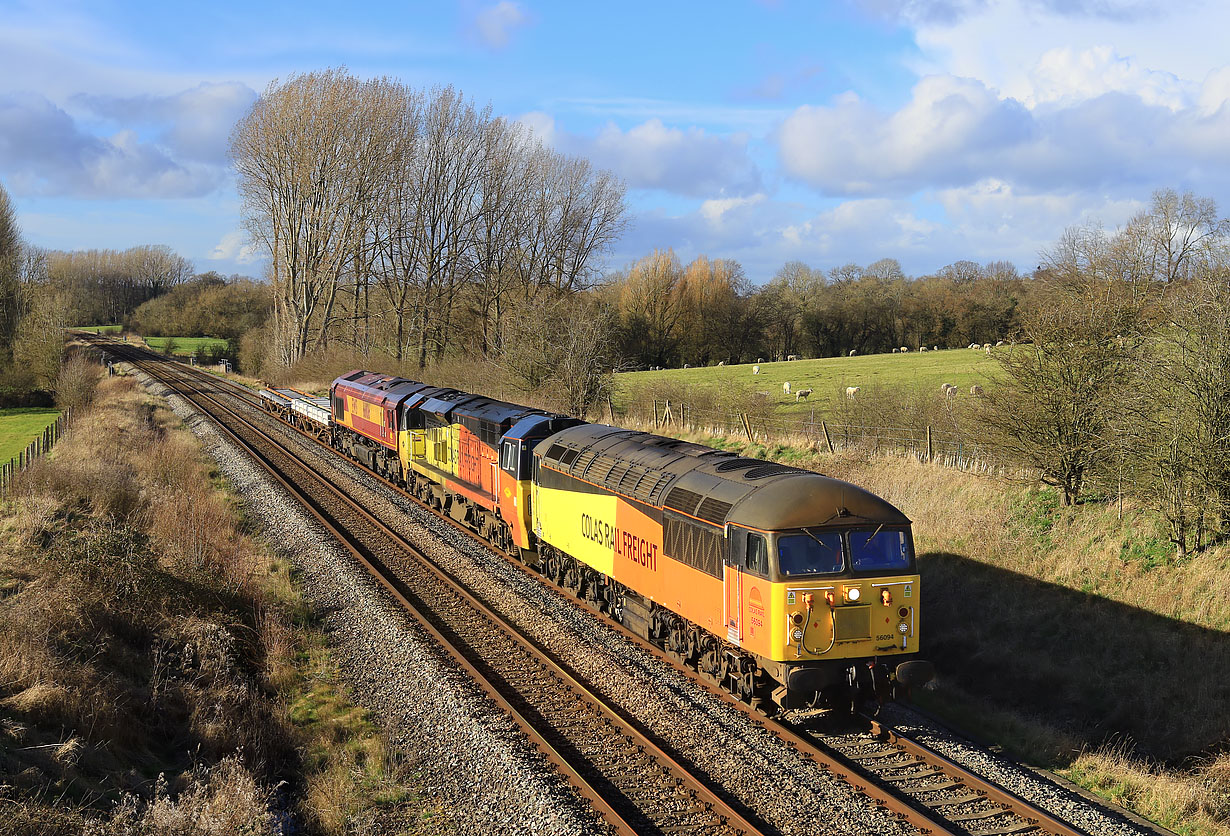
[
  {"x": 40, "y": 446},
  {"x": 925, "y": 442}
]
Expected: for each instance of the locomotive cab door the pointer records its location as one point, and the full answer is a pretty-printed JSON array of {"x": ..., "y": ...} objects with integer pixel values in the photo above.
[{"x": 732, "y": 599}]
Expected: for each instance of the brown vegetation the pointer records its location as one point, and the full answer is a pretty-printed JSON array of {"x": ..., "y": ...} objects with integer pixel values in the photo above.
[{"x": 152, "y": 655}]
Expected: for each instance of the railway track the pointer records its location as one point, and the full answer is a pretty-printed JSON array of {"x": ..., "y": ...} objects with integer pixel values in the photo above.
[
  {"x": 632, "y": 783},
  {"x": 931, "y": 792}
]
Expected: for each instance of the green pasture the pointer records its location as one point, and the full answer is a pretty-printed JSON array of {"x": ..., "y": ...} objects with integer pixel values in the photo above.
[
  {"x": 187, "y": 345},
  {"x": 20, "y": 426},
  {"x": 101, "y": 329},
  {"x": 827, "y": 377}
]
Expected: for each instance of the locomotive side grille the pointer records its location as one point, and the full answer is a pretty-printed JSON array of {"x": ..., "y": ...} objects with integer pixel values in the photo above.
[
  {"x": 682, "y": 499},
  {"x": 569, "y": 456},
  {"x": 599, "y": 469},
  {"x": 852, "y": 623},
  {"x": 655, "y": 492},
  {"x": 696, "y": 545},
  {"x": 713, "y": 510}
]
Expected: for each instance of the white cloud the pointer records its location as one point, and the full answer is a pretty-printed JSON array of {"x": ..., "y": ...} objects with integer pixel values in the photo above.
[
  {"x": 494, "y": 25},
  {"x": 955, "y": 132},
  {"x": 43, "y": 151},
  {"x": 684, "y": 161},
  {"x": 234, "y": 247},
  {"x": 195, "y": 124},
  {"x": 716, "y": 210},
  {"x": 1066, "y": 75}
]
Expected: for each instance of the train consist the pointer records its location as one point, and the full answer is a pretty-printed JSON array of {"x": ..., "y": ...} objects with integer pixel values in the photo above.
[{"x": 787, "y": 587}]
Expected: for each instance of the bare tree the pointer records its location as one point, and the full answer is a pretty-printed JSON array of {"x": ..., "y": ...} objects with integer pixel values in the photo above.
[{"x": 10, "y": 273}]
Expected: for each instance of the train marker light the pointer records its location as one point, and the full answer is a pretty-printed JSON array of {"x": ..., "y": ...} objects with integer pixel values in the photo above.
[
  {"x": 830, "y": 598},
  {"x": 807, "y": 599},
  {"x": 886, "y": 597}
]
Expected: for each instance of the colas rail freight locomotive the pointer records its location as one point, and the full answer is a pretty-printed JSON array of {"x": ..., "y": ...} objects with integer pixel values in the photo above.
[{"x": 787, "y": 587}]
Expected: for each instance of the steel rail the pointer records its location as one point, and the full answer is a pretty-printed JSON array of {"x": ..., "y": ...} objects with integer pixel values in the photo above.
[
  {"x": 917, "y": 814},
  {"x": 727, "y": 815}
]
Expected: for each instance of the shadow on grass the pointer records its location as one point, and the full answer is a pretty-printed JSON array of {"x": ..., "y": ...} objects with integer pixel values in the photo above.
[{"x": 1098, "y": 669}]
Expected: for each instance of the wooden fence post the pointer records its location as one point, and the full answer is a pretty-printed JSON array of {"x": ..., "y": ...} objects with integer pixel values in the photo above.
[
  {"x": 747, "y": 426},
  {"x": 824, "y": 426},
  {"x": 667, "y": 418},
  {"x": 930, "y": 449}
]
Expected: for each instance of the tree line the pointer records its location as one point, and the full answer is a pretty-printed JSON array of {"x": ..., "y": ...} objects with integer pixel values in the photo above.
[{"x": 410, "y": 222}]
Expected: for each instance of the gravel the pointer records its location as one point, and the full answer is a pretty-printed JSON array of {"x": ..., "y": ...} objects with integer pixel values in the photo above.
[
  {"x": 1063, "y": 802},
  {"x": 472, "y": 763}
]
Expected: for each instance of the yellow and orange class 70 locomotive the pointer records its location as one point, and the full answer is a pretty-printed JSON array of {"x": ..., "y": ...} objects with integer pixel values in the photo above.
[{"x": 786, "y": 586}]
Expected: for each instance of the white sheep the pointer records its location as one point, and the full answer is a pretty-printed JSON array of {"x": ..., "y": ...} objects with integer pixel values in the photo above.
[
  {"x": 792, "y": 357},
  {"x": 686, "y": 366},
  {"x": 895, "y": 350},
  {"x": 755, "y": 369},
  {"x": 922, "y": 348},
  {"x": 759, "y": 359},
  {"x": 998, "y": 343},
  {"x": 987, "y": 349},
  {"x": 986, "y": 345},
  {"x": 952, "y": 391},
  {"x": 935, "y": 348},
  {"x": 801, "y": 395},
  {"x": 944, "y": 387},
  {"x": 905, "y": 349},
  {"x": 786, "y": 387},
  {"x": 851, "y": 391},
  {"x": 722, "y": 363},
  {"x": 853, "y": 352},
  {"x": 975, "y": 390}
]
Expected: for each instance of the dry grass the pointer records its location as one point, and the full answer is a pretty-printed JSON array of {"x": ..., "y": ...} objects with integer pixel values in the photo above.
[{"x": 143, "y": 632}]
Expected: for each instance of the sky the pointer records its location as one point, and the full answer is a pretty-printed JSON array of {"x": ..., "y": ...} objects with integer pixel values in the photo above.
[{"x": 829, "y": 132}]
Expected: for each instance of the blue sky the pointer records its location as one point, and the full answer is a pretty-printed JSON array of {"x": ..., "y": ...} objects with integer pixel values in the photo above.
[{"x": 829, "y": 132}]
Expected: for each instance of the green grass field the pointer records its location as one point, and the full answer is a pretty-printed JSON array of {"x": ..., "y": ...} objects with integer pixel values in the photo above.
[
  {"x": 20, "y": 426},
  {"x": 828, "y": 377},
  {"x": 101, "y": 329},
  {"x": 186, "y": 345}
]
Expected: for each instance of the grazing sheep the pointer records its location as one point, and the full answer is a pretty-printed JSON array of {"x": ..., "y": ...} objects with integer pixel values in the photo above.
[
  {"x": 895, "y": 350},
  {"x": 922, "y": 348},
  {"x": 853, "y": 352},
  {"x": 801, "y": 395},
  {"x": 975, "y": 390},
  {"x": 755, "y": 369},
  {"x": 986, "y": 345},
  {"x": 935, "y": 348},
  {"x": 786, "y": 387},
  {"x": 952, "y": 391},
  {"x": 905, "y": 349},
  {"x": 722, "y": 363},
  {"x": 944, "y": 387},
  {"x": 998, "y": 343},
  {"x": 686, "y": 366},
  {"x": 987, "y": 349},
  {"x": 974, "y": 345},
  {"x": 851, "y": 391},
  {"x": 792, "y": 357},
  {"x": 759, "y": 359}
]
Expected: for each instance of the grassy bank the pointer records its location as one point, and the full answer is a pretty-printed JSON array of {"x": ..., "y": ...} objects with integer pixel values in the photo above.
[
  {"x": 187, "y": 345},
  {"x": 159, "y": 672},
  {"x": 1072, "y": 636},
  {"x": 827, "y": 377},
  {"x": 21, "y": 425}
]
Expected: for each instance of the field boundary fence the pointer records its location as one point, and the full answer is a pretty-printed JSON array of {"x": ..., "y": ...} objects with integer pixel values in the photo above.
[
  {"x": 925, "y": 442},
  {"x": 37, "y": 448}
]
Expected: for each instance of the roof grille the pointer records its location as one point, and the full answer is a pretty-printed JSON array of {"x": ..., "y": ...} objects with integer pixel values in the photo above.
[
  {"x": 569, "y": 456},
  {"x": 737, "y": 464},
  {"x": 555, "y": 452},
  {"x": 771, "y": 469},
  {"x": 682, "y": 499}
]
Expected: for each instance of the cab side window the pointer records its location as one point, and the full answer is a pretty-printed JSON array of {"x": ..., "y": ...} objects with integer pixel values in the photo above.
[
  {"x": 756, "y": 558},
  {"x": 508, "y": 457}
]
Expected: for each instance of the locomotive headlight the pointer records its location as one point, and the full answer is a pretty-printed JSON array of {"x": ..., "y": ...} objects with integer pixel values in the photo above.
[{"x": 853, "y": 593}]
